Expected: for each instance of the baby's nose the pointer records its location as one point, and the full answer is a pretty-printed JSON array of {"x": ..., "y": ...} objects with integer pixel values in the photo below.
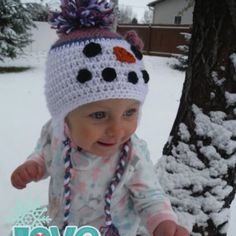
[{"x": 115, "y": 129}]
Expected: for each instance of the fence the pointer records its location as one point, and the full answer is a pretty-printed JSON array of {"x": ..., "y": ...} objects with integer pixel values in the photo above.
[{"x": 159, "y": 40}]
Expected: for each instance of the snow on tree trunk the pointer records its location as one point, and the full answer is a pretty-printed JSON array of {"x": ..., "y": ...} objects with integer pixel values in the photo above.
[{"x": 198, "y": 167}]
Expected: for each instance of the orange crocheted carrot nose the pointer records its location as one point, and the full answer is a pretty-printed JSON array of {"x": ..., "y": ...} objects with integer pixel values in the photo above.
[{"x": 123, "y": 55}]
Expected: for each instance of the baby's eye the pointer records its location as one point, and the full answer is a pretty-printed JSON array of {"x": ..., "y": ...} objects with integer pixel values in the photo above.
[
  {"x": 98, "y": 115},
  {"x": 130, "y": 112}
]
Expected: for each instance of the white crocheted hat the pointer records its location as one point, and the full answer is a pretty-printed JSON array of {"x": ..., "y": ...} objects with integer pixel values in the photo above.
[{"x": 90, "y": 63}]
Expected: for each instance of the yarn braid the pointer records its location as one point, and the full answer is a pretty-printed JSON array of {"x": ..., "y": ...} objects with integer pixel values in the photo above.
[
  {"x": 67, "y": 182},
  {"x": 110, "y": 229}
]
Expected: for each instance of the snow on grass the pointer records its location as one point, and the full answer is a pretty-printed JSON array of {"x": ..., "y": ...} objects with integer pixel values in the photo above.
[{"x": 23, "y": 112}]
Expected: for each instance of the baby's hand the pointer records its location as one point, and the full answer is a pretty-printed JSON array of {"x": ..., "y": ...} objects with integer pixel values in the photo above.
[
  {"x": 170, "y": 228},
  {"x": 25, "y": 173}
]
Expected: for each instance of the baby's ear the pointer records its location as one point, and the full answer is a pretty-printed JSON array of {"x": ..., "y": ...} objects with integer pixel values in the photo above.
[{"x": 67, "y": 129}]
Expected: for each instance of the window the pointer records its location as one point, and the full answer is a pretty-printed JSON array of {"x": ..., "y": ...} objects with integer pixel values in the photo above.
[{"x": 177, "y": 20}]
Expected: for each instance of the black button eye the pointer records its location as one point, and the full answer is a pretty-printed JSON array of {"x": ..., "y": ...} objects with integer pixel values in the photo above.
[
  {"x": 109, "y": 74},
  {"x": 132, "y": 77},
  {"x": 145, "y": 76},
  {"x": 84, "y": 75},
  {"x": 92, "y": 49},
  {"x": 136, "y": 52}
]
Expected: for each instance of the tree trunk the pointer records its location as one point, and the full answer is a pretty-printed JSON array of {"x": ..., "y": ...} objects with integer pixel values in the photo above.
[{"x": 198, "y": 167}]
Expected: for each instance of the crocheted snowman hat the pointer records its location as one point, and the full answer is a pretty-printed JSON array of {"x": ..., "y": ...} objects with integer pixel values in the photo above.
[{"x": 89, "y": 62}]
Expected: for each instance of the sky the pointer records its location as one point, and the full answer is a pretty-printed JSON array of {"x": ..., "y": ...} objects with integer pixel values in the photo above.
[{"x": 138, "y": 6}]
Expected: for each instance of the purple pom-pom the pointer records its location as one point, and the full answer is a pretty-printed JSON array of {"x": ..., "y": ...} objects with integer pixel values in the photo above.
[{"x": 82, "y": 13}]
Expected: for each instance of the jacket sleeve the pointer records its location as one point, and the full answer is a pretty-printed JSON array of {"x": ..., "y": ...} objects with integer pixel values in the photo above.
[
  {"x": 149, "y": 199},
  {"x": 42, "y": 153}
]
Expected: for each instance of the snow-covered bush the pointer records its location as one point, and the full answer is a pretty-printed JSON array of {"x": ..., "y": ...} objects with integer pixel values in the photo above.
[{"x": 182, "y": 59}]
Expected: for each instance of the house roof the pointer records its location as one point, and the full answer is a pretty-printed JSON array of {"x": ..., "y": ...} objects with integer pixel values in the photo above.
[{"x": 153, "y": 4}]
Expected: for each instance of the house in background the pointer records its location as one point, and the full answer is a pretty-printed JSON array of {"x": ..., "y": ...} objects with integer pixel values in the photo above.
[{"x": 171, "y": 12}]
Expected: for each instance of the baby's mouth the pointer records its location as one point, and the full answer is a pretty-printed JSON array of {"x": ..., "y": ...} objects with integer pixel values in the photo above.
[{"x": 106, "y": 144}]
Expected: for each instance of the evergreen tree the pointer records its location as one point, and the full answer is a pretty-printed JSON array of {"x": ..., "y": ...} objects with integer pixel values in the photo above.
[
  {"x": 125, "y": 15},
  {"x": 38, "y": 11},
  {"x": 15, "y": 23},
  {"x": 134, "y": 21},
  {"x": 147, "y": 17}
]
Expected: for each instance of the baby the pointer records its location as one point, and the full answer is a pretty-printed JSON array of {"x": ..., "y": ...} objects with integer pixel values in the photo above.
[{"x": 100, "y": 171}]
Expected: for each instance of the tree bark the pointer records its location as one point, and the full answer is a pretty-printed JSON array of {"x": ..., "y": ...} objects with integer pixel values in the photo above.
[{"x": 198, "y": 167}]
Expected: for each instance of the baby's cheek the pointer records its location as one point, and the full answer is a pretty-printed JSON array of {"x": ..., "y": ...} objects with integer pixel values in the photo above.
[
  {"x": 131, "y": 130},
  {"x": 76, "y": 138},
  {"x": 84, "y": 133}
]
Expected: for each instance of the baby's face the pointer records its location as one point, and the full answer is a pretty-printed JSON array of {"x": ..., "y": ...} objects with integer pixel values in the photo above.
[{"x": 102, "y": 127}]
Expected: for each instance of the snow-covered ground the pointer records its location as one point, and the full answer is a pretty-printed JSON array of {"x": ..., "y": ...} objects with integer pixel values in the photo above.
[{"x": 23, "y": 112}]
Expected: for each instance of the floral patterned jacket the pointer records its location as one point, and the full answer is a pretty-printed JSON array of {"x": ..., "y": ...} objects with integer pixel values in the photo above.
[{"x": 138, "y": 198}]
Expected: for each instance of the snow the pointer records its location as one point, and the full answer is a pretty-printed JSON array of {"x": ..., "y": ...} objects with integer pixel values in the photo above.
[
  {"x": 201, "y": 184},
  {"x": 187, "y": 36},
  {"x": 187, "y": 156},
  {"x": 216, "y": 79},
  {"x": 230, "y": 98},
  {"x": 221, "y": 137},
  {"x": 183, "y": 48},
  {"x": 183, "y": 132},
  {"x": 231, "y": 126},
  {"x": 222, "y": 68},
  {"x": 217, "y": 117},
  {"x": 233, "y": 58},
  {"x": 218, "y": 217},
  {"x": 23, "y": 112}
]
